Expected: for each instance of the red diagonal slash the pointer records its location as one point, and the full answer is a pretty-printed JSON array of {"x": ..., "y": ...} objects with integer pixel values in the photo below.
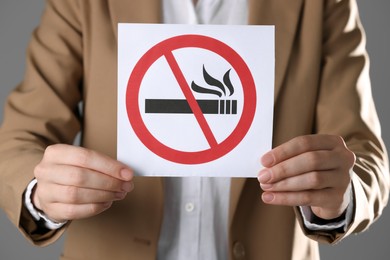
[{"x": 191, "y": 99}]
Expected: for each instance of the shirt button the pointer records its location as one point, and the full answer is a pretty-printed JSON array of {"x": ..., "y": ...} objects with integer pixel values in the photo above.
[
  {"x": 238, "y": 250},
  {"x": 190, "y": 207}
]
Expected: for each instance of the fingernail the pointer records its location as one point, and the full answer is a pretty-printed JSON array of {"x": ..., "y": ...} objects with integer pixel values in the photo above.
[
  {"x": 126, "y": 174},
  {"x": 267, "y": 160},
  {"x": 268, "y": 197},
  {"x": 264, "y": 176},
  {"x": 120, "y": 195},
  {"x": 127, "y": 186}
]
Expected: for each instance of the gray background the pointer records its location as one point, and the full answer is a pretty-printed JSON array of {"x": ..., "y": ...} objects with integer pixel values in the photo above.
[{"x": 18, "y": 19}]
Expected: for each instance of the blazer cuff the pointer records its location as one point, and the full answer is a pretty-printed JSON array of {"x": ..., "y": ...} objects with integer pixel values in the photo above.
[{"x": 314, "y": 223}]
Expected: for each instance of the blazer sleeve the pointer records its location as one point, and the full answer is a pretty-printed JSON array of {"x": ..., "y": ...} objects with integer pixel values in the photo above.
[
  {"x": 345, "y": 107},
  {"x": 42, "y": 110}
]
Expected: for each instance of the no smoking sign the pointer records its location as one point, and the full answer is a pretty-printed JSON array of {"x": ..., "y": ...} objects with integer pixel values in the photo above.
[{"x": 194, "y": 100}]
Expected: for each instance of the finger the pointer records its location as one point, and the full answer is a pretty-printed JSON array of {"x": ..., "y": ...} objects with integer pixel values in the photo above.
[
  {"x": 300, "y": 145},
  {"x": 321, "y": 198},
  {"x": 85, "y": 158},
  {"x": 308, "y": 181},
  {"x": 321, "y": 160},
  {"x": 323, "y": 204},
  {"x": 76, "y": 195},
  {"x": 61, "y": 212},
  {"x": 69, "y": 175}
]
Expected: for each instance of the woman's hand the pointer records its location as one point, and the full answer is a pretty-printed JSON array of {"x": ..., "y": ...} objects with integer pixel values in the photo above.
[
  {"x": 75, "y": 182},
  {"x": 310, "y": 171}
]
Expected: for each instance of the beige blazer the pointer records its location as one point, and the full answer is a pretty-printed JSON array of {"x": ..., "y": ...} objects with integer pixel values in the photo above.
[{"x": 322, "y": 86}]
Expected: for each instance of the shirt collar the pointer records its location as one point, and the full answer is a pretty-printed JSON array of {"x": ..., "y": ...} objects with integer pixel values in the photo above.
[{"x": 205, "y": 12}]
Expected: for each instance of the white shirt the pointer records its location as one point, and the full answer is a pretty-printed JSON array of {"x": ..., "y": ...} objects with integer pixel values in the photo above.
[{"x": 205, "y": 12}]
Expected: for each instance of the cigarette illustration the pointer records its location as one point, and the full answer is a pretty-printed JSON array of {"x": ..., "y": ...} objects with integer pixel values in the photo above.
[
  {"x": 181, "y": 106},
  {"x": 207, "y": 106}
]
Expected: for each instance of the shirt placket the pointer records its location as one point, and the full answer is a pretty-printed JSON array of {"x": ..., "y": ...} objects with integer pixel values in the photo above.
[{"x": 190, "y": 216}]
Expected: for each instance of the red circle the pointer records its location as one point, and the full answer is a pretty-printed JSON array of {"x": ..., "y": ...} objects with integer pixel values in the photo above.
[{"x": 169, "y": 45}]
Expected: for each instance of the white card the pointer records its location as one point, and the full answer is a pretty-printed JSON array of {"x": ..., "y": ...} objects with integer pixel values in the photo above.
[{"x": 195, "y": 100}]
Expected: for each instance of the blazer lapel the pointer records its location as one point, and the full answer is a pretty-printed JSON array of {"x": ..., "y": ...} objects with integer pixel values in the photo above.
[
  {"x": 285, "y": 16},
  {"x": 134, "y": 11},
  {"x": 236, "y": 186}
]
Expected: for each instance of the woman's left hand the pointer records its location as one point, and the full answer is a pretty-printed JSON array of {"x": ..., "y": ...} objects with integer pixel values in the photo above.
[{"x": 313, "y": 170}]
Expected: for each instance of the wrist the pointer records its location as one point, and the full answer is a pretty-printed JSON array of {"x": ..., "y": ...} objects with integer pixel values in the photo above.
[
  {"x": 33, "y": 197},
  {"x": 35, "y": 211}
]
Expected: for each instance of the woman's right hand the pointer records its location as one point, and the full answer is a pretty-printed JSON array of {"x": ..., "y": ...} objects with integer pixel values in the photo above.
[{"x": 75, "y": 183}]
